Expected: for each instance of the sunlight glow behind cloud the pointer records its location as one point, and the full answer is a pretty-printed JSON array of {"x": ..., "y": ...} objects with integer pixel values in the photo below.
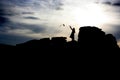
[{"x": 42, "y": 18}]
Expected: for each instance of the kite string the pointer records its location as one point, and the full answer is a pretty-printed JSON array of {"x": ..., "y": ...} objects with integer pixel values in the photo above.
[{"x": 59, "y": 30}]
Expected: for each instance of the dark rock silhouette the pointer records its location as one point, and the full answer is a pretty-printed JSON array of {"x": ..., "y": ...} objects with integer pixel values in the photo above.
[
  {"x": 94, "y": 48},
  {"x": 95, "y": 38},
  {"x": 72, "y": 45},
  {"x": 111, "y": 42},
  {"x": 87, "y": 36},
  {"x": 58, "y": 42},
  {"x": 55, "y": 42},
  {"x": 42, "y": 43},
  {"x": 89, "y": 39}
]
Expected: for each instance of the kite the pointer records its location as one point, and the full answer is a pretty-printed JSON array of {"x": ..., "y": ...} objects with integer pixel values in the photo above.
[{"x": 63, "y": 24}]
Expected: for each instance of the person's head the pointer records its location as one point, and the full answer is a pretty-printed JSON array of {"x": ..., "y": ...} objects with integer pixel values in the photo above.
[{"x": 73, "y": 28}]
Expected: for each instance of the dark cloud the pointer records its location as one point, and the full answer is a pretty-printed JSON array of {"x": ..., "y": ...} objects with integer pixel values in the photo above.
[
  {"x": 51, "y": 4},
  {"x": 110, "y": 2},
  {"x": 7, "y": 38},
  {"x": 3, "y": 20},
  {"x": 117, "y": 31},
  {"x": 7, "y": 12},
  {"x": 11, "y": 7},
  {"x": 31, "y": 17},
  {"x": 13, "y": 39},
  {"x": 4, "y": 13},
  {"x": 14, "y": 2},
  {"x": 59, "y": 8},
  {"x": 33, "y": 28},
  {"x": 6, "y": 25},
  {"x": 114, "y": 29},
  {"x": 22, "y": 26},
  {"x": 27, "y": 12},
  {"x": 116, "y": 4},
  {"x": 34, "y": 18}
]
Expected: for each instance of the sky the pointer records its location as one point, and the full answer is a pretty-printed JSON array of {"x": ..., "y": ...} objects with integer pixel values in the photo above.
[{"x": 23, "y": 20}]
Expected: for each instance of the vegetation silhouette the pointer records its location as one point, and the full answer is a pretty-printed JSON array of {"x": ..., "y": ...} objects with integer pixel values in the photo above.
[{"x": 89, "y": 39}]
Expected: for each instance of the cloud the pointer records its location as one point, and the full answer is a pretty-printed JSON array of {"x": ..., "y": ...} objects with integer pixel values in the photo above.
[
  {"x": 13, "y": 39},
  {"x": 20, "y": 8},
  {"x": 28, "y": 17},
  {"x": 51, "y": 4},
  {"x": 7, "y": 12},
  {"x": 22, "y": 26},
  {"x": 116, "y": 4},
  {"x": 14, "y": 33},
  {"x": 59, "y": 8},
  {"x": 15, "y": 2},
  {"x": 115, "y": 30},
  {"x": 27, "y": 12},
  {"x": 110, "y": 2},
  {"x": 31, "y": 17},
  {"x": 3, "y": 20},
  {"x": 3, "y": 12}
]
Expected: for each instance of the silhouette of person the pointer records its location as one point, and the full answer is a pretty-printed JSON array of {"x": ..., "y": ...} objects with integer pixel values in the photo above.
[{"x": 72, "y": 33}]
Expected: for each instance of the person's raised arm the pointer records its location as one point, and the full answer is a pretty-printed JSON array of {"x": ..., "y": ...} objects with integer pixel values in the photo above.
[{"x": 70, "y": 27}]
